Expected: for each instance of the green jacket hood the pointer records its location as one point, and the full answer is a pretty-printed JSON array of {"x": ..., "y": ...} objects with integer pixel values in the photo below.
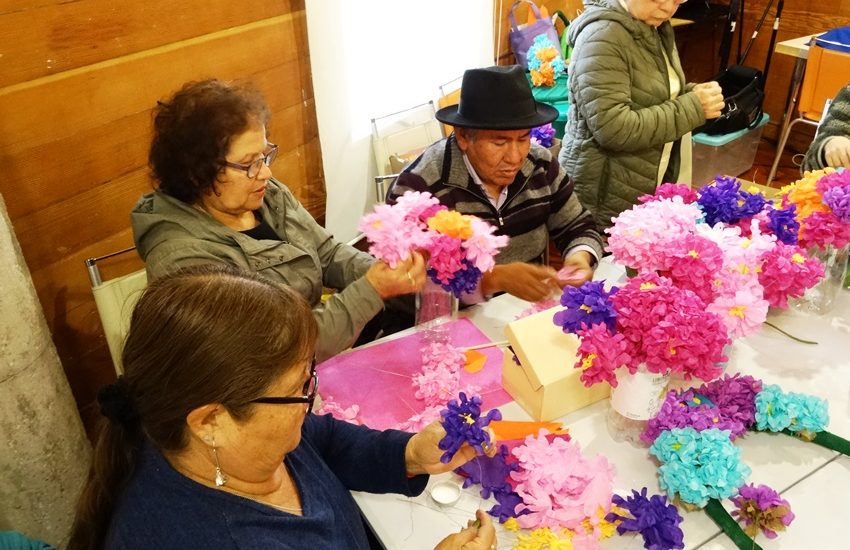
[{"x": 608, "y": 10}]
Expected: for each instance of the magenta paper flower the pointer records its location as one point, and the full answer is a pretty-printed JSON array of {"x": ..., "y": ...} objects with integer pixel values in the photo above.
[
  {"x": 787, "y": 272},
  {"x": 668, "y": 328},
  {"x": 823, "y": 228},
  {"x": 445, "y": 258},
  {"x": 600, "y": 353},
  {"x": 691, "y": 263},
  {"x": 670, "y": 190},
  {"x": 640, "y": 232},
  {"x": 760, "y": 507},
  {"x": 558, "y": 485}
]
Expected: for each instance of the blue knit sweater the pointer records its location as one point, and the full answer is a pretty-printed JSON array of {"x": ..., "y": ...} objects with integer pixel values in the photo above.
[{"x": 162, "y": 509}]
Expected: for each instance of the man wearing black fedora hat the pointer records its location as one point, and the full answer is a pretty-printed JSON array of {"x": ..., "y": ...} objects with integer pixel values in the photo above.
[{"x": 489, "y": 168}]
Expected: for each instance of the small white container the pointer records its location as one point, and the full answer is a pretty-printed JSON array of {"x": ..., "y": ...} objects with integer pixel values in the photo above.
[{"x": 445, "y": 493}]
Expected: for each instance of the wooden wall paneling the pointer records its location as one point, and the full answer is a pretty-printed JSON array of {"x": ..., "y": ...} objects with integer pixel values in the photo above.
[
  {"x": 50, "y": 38},
  {"x": 74, "y": 144}
]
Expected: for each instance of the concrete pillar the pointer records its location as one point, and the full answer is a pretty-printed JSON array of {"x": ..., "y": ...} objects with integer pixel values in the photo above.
[{"x": 44, "y": 453}]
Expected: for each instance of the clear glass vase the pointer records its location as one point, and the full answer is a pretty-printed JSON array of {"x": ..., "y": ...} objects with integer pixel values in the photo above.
[
  {"x": 634, "y": 401},
  {"x": 820, "y": 298},
  {"x": 435, "y": 307}
]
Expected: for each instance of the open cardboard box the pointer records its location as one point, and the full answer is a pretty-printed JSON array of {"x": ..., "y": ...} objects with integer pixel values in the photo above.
[{"x": 545, "y": 383}]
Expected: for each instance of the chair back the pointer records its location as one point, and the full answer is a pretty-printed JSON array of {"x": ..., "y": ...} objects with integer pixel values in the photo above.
[
  {"x": 115, "y": 300},
  {"x": 827, "y": 71},
  {"x": 449, "y": 95}
]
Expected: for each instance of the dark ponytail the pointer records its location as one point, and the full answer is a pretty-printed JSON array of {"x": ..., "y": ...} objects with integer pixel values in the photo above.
[{"x": 206, "y": 334}]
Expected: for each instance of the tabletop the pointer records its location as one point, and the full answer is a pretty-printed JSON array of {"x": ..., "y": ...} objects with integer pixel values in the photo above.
[
  {"x": 795, "y": 47},
  {"x": 805, "y": 473}
]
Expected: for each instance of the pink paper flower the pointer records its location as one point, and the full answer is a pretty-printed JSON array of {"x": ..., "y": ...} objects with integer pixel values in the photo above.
[
  {"x": 787, "y": 272},
  {"x": 742, "y": 312},
  {"x": 559, "y": 486},
  {"x": 600, "y": 354},
  {"x": 331, "y": 407}
]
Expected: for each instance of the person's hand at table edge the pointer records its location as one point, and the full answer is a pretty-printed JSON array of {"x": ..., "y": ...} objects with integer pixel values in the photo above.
[{"x": 477, "y": 535}]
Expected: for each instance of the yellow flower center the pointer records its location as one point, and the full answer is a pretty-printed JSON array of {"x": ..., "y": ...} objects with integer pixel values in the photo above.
[
  {"x": 744, "y": 269},
  {"x": 745, "y": 243},
  {"x": 798, "y": 258},
  {"x": 737, "y": 311},
  {"x": 585, "y": 307},
  {"x": 587, "y": 362},
  {"x": 693, "y": 254},
  {"x": 468, "y": 418},
  {"x": 647, "y": 286},
  {"x": 676, "y": 446}
]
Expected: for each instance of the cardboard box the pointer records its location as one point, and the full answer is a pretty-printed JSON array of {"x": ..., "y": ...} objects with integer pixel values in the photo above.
[{"x": 545, "y": 383}]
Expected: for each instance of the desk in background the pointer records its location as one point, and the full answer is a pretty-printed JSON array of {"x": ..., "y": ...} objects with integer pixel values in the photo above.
[
  {"x": 803, "y": 472},
  {"x": 799, "y": 49}
]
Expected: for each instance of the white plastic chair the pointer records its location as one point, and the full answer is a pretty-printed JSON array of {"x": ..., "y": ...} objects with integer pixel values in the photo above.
[{"x": 115, "y": 300}]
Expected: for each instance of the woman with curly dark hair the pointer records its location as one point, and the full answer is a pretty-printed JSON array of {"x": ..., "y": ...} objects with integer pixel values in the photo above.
[{"x": 217, "y": 202}]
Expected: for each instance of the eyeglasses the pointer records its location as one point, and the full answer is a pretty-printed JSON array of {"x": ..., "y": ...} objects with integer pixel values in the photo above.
[
  {"x": 311, "y": 388},
  {"x": 253, "y": 169}
]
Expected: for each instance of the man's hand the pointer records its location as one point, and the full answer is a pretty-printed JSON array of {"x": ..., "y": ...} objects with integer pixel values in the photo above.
[
  {"x": 576, "y": 270},
  {"x": 836, "y": 151},
  {"x": 529, "y": 282}
]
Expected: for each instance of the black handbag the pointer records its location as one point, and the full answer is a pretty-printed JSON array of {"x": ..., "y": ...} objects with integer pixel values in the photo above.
[{"x": 744, "y": 96}]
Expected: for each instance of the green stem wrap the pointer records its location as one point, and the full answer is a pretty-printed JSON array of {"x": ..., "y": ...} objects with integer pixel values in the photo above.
[
  {"x": 721, "y": 517},
  {"x": 824, "y": 439}
]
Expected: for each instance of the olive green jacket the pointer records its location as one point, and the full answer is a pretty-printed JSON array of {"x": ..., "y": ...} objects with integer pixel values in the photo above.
[
  {"x": 171, "y": 234},
  {"x": 621, "y": 114}
]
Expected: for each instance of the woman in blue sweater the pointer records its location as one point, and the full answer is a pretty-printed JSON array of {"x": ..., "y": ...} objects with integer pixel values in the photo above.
[{"x": 210, "y": 442}]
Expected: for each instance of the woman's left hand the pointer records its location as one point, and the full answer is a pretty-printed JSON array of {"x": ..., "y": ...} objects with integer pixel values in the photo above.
[
  {"x": 422, "y": 454},
  {"x": 576, "y": 270}
]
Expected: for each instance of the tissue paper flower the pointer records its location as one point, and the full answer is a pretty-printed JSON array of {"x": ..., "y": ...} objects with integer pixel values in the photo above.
[
  {"x": 560, "y": 487},
  {"x": 489, "y": 472},
  {"x": 698, "y": 466},
  {"x": 724, "y": 201},
  {"x": 544, "y": 61},
  {"x": 787, "y": 272},
  {"x": 670, "y": 190},
  {"x": 688, "y": 409},
  {"x": 734, "y": 396},
  {"x": 543, "y": 135},
  {"x": 459, "y": 247},
  {"x": 821, "y": 198},
  {"x": 463, "y": 423},
  {"x": 331, "y": 407},
  {"x": 777, "y": 411},
  {"x": 762, "y": 508},
  {"x": 652, "y": 517},
  {"x": 600, "y": 354},
  {"x": 586, "y": 306},
  {"x": 783, "y": 223}
]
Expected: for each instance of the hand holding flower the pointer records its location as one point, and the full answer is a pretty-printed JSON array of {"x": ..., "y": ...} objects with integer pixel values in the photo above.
[
  {"x": 422, "y": 454},
  {"x": 408, "y": 276},
  {"x": 528, "y": 282}
]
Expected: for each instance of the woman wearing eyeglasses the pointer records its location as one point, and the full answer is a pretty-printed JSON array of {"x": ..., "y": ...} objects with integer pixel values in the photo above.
[
  {"x": 209, "y": 441},
  {"x": 216, "y": 201},
  {"x": 631, "y": 109}
]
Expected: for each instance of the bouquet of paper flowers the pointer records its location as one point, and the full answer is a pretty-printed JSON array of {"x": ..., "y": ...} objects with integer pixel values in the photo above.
[
  {"x": 734, "y": 248},
  {"x": 460, "y": 247},
  {"x": 649, "y": 320},
  {"x": 692, "y": 436},
  {"x": 820, "y": 202},
  {"x": 544, "y": 62}
]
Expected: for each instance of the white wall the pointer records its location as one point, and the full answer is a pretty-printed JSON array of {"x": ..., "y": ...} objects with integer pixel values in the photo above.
[{"x": 374, "y": 57}]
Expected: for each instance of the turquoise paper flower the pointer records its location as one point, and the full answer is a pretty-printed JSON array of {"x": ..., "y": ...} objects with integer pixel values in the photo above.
[
  {"x": 812, "y": 413},
  {"x": 774, "y": 411},
  {"x": 699, "y": 465}
]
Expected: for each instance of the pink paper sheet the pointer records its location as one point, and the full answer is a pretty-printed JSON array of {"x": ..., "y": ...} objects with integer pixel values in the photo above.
[{"x": 378, "y": 378}]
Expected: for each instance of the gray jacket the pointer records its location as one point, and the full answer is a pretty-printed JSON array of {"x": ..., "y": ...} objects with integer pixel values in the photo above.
[
  {"x": 171, "y": 234},
  {"x": 836, "y": 122},
  {"x": 621, "y": 114}
]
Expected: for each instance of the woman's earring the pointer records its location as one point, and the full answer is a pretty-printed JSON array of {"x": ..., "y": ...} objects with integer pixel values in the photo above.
[{"x": 220, "y": 478}]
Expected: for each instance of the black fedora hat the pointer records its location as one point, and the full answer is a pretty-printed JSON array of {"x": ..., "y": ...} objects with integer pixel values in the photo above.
[{"x": 497, "y": 98}]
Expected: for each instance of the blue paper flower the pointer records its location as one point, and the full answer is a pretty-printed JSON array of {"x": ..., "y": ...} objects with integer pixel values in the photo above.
[
  {"x": 725, "y": 202},
  {"x": 811, "y": 413},
  {"x": 463, "y": 424},
  {"x": 774, "y": 410},
  {"x": 464, "y": 280},
  {"x": 655, "y": 519},
  {"x": 699, "y": 465},
  {"x": 586, "y": 305}
]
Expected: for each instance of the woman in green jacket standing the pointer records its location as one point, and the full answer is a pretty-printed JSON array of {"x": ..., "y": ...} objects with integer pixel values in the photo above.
[{"x": 631, "y": 110}]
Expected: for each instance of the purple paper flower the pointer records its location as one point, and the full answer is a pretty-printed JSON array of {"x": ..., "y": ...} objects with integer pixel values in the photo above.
[
  {"x": 463, "y": 424},
  {"x": 725, "y": 202},
  {"x": 464, "y": 280},
  {"x": 655, "y": 519},
  {"x": 543, "y": 135},
  {"x": 506, "y": 508},
  {"x": 586, "y": 305},
  {"x": 762, "y": 508},
  {"x": 689, "y": 410},
  {"x": 735, "y": 396},
  {"x": 490, "y": 473},
  {"x": 783, "y": 223}
]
